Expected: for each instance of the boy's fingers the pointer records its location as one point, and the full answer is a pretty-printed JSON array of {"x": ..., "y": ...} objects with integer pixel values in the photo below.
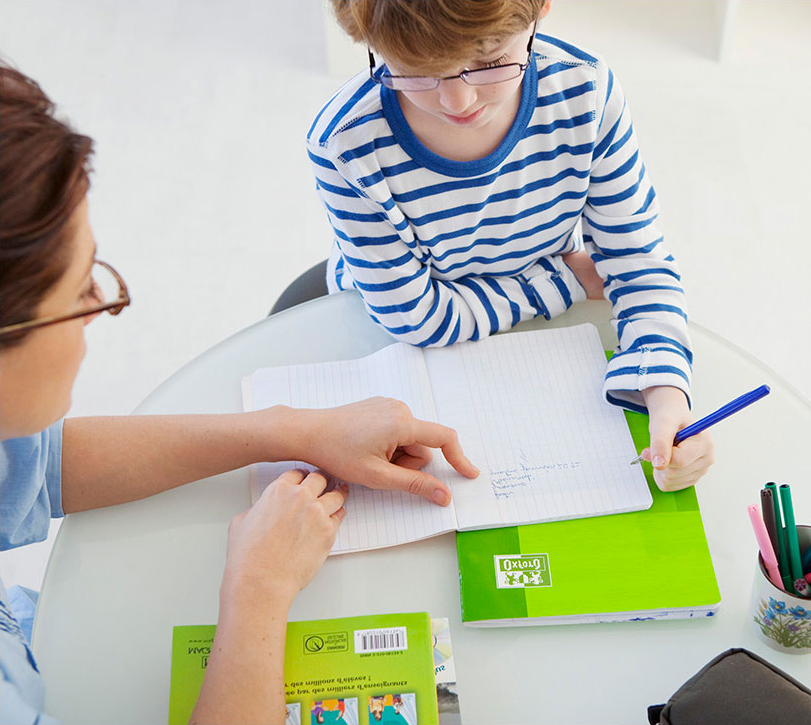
[
  {"x": 662, "y": 434},
  {"x": 686, "y": 453},
  {"x": 676, "y": 479},
  {"x": 660, "y": 451},
  {"x": 694, "y": 448}
]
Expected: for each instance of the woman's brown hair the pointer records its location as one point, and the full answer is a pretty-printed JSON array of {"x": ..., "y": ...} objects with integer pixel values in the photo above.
[
  {"x": 44, "y": 175},
  {"x": 433, "y": 37}
]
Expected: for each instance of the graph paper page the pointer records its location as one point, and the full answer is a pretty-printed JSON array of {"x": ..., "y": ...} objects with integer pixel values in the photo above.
[
  {"x": 529, "y": 410},
  {"x": 374, "y": 518}
]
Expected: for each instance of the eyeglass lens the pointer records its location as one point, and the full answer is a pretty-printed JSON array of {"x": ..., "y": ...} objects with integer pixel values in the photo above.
[
  {"x": 480, "y": 77},
  {"x": 105, "y": 286}
]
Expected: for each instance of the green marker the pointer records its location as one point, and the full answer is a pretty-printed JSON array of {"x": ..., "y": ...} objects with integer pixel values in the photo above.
[
  {"x": 782, "y": 555},
  {"x": 793, "y": 545}
]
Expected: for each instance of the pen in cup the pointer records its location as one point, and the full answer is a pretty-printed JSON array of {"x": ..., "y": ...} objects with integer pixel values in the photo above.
[
  {"x": 767, "y": 509},
  {"x": 792, "y": 543},
  {"x": 765, "y": 546},
  {"x": 782, "y": 550}
]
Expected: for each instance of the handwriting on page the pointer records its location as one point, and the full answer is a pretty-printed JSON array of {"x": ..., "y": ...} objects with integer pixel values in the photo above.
[
  {"x": 533, "y": 405},
  {"x": 526, "y": 472},
  {"x": 505, "y": 481}
]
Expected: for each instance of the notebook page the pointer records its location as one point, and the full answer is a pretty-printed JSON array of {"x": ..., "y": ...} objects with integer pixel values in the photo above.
[
  {"x": 530, "y": 413},
  {"x": 374, "y": 518}
]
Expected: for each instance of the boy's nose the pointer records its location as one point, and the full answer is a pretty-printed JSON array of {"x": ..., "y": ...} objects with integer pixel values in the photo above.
[{"x": 456, "y": 96}]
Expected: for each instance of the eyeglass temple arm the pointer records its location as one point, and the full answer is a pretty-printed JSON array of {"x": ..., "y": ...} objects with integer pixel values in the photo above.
[
  {"x": 531, "y": 38},
  {"x": 371, "y": 62}
]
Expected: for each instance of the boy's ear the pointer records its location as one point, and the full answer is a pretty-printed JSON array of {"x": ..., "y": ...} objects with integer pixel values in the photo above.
[{"x": 547, "y": 6}]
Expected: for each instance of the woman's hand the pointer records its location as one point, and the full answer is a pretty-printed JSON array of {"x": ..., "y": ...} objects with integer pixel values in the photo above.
[
  {"x": 674, "y": 467},
  {"x": 283, "y": 539},
  {"x": 378, "y": 443},
  {"x": 274, "y": 549}
]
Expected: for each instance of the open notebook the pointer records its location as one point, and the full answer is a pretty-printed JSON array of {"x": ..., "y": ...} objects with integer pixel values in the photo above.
[{"x": 530, "y": 414}]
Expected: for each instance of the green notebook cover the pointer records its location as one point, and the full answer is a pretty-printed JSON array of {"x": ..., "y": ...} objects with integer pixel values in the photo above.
[
  {"x": 652, "y": 564},
  {"x": 350, "y": 671}
]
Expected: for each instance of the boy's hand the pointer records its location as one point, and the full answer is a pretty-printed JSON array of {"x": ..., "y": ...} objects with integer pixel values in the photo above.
[
  {"x": 378, "y": 443},
  {"x": 674, "y": 467},
  {"x": 583, "y": 267}
]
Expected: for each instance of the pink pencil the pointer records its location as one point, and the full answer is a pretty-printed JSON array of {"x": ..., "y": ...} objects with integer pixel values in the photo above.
[{"x": 765, "y": 545}]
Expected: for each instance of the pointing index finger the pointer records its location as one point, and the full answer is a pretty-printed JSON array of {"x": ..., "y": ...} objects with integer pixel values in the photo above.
[{"x": 440, "y": 436}]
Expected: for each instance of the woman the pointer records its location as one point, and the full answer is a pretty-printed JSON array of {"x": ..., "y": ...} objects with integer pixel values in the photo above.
[{"x": 52, "y": 286}]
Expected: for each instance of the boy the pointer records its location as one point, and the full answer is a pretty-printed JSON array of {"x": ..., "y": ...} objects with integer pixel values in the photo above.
[{"x": 456, "y": 173}]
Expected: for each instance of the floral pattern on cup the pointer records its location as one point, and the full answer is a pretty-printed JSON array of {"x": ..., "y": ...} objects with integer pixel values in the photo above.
[{"x": 788, "y": 626}]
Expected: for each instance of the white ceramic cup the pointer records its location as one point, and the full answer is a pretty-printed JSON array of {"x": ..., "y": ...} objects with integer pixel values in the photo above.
[{"x": 783, "y": 620}]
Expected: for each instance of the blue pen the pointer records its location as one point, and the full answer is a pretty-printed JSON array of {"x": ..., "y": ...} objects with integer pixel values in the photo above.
[{"x": 722, "y": 412}]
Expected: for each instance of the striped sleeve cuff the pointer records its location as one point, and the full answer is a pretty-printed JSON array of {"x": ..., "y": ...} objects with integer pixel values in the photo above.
[
  {"x": 556, "y": 285},
  {"x": 635, "y": 370}
]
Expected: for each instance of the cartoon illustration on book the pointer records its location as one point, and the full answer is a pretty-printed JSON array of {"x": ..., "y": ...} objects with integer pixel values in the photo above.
[
  {"x": 445, "y": 672},
  {"x": 292, "y": 714},
  {"x": 343, "y": 711},
  {"x": 393, "y": 709}
]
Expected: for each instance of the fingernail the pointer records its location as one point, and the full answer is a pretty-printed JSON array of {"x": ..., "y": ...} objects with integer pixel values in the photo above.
[
  {"x": 440, "y": 497},
  {"x": 658, "y": 461}
]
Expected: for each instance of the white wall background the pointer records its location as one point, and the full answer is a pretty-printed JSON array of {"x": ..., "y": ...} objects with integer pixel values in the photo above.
[{"x": 203, "y": 197}]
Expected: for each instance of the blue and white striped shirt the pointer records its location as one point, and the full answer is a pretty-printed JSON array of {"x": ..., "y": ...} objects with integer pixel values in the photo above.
[{"x": 443, "y": 251}]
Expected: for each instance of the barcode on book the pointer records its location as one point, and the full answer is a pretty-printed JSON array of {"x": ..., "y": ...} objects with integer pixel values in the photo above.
[{"x": 391, "y": 639}]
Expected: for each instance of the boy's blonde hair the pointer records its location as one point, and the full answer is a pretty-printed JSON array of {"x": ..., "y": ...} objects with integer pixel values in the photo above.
[{"x": 433, "y": 37}]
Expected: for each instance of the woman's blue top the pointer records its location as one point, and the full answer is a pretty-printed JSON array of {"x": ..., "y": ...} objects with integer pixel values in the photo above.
[{"x": 30, "y": 495}]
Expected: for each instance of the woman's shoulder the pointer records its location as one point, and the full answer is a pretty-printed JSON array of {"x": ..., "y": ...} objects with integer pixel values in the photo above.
[{"x": 31, "y": 476}]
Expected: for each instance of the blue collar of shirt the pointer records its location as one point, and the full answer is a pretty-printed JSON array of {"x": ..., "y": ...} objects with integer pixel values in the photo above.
[{"x": 427, "y": 158}]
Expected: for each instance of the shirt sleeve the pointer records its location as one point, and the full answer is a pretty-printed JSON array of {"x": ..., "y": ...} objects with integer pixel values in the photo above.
[
  {"x": 14, "y": 710},
  {"x": 393, "y": 274},
  {"x": 642, "y": 281},
  {"x": 31, "y": 475}
]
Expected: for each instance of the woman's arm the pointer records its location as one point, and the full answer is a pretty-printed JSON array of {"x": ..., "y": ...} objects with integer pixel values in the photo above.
[
  {"x": 376, "y": 443},
  {"x": 111, "y": 460},
  {"x": 274, "y": 550}
]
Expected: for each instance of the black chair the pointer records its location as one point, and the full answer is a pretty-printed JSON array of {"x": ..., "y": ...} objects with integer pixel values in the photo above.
[{"x": 307, "y": 286}]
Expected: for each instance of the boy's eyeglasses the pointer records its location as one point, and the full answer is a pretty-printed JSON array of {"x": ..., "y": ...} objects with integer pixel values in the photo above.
[
  {"x": 478, "y": 77},
  {"x": 108, "y": 294}
]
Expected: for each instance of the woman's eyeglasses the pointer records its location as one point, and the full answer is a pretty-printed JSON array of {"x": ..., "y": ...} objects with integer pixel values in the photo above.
[
  {"x": 108, "y": 293},
  {"x": 478, "y": 77}
]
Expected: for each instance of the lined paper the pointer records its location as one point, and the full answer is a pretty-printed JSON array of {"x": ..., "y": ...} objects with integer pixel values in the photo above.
[
  {"x": 529, "y": 409},
  {"x": 374, "y": 518}
]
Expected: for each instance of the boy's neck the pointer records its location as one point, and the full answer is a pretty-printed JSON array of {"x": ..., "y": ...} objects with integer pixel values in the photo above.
[{"x": 458, "y": 143}]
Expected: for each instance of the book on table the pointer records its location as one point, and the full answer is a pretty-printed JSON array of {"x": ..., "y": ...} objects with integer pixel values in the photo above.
[
  {"x": 529, "y": 410},
  {"x": 652, "y": 564},
  {"x": 386, "y": 668}
]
